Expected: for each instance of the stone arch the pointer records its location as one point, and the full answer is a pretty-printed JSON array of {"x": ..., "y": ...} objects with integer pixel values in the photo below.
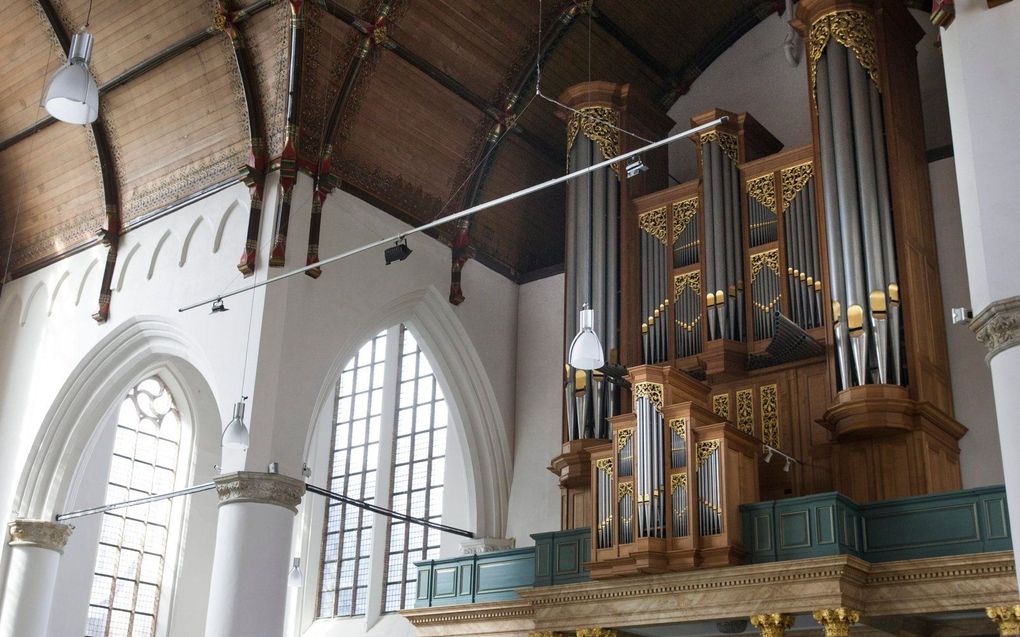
[{"x": 468, "y": 391}]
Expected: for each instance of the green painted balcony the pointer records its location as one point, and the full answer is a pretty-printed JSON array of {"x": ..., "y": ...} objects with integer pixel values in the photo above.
[{"x": 954, "y": 523}]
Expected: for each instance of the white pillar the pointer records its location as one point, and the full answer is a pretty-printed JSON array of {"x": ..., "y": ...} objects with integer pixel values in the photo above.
[
  {"x": 248, "y": 592},
  {"x": 36, "y": 546},
  {"x": 983, "y": 87}
]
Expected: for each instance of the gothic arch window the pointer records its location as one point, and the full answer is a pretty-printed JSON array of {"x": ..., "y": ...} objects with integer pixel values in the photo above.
[
  {"x": 388, "y": 447},
  {"x": 133, "y": 542}
]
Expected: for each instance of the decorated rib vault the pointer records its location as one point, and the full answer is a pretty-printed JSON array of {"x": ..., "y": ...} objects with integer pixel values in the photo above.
[{"x": 750, "y": 401}]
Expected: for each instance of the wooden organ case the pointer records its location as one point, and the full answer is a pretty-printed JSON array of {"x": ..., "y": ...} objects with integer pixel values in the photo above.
[{"x": 783, "y": 306}]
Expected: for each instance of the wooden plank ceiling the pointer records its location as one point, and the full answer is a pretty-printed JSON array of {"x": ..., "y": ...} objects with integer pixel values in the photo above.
[{"x": 406, "y": 102}]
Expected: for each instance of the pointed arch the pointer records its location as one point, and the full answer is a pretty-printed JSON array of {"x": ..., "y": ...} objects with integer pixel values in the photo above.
[{"x": 469, "y": 393}]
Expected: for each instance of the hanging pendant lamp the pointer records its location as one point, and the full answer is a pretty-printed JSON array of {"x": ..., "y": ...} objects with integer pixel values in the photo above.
[
  {"x": 235, "y": 435},
  {"x": 72, "y": 95},
  {"x": 586, "y": 349}
]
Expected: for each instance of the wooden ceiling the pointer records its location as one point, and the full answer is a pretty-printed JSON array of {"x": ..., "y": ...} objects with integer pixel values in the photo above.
[{"x": 405, "y": 92}]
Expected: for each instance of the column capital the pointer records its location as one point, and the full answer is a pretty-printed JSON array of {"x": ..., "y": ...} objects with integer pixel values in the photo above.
[
  {"x": 547, "y": 633},
  {"x": 772, "y": 624},
  {"x": 998, "y": 325},
  {"x": 1007, "y": 618},
  {"x": 260, "y": 488},
  {"x": 596, "y": 632},
  {"x": 42, "y": 534},
  {"x": 836, "y": 621},
  {"x": 481, "y": 545}
]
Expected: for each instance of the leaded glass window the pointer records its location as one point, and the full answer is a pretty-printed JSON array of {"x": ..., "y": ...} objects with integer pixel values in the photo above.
[
  {"x": 387, "y": 392},
  {"x": 128, "y": 576}
]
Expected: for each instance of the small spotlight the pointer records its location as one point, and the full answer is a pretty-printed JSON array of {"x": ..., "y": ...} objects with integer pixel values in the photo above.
[
  {"x": 218, "y": 306},
  {"x": 635, "y": 166},
  {"x": 787, "y": 466},
  {"x": 768, "y": 456},
  {"x": 104, "y": 237},
  {"x": 398, "y": 252}
]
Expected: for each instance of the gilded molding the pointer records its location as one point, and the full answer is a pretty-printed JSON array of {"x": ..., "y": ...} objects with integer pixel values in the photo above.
[
  {"x": 1007, "y": 618},
  {"x": 651, "y": 391},
  {"x": 654, "y": 223},
  {"x": 794, "y": 179},
  {"x": 745, "y": 410},
  {"x": 41, "y": 534},
  {"x": 683, "y": 212},
  {"x": 769, "y": 259},
  {"x": 605, "y": 465},
  {"x": 769, "y": 397},
  {"x": 679, "y": 425},
  {"x": 596, "y": 632},
  {"x": 599, "y": 124},
  {"x": 763, "y": 190},
  {"x": 260, "y": 488},
  {"x": 836, "y": 622},
  {"x": 998, "y": 326},
  {"x": 854, "y": 29},
  {"x": 705, "y": 449},
  {"x": 772, "y": 624},
  {"x": 726, "y": 141},
  {"x": 721, "y": 405}
]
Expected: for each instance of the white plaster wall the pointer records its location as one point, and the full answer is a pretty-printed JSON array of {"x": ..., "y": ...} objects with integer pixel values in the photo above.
[
  {"x": 973, "y": 402},
  {"x": 535, "y": 494}
]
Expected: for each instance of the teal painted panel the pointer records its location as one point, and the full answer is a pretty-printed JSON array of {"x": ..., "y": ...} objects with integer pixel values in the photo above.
[
  {"x": 560, "y": 556},
  {"x": 566, "y": 558},
  {"x": 504, "y": 575},
  {"x": 825, "y": 524},
  {"x": 543, "y": 558},
  {"x": 762, "y": 528},
  {"x": 919, "y": 527},
  {"x": 467, "y": 573},
  {"x": 424, "y": 577},
  {"x": 444, "y": 582},
  {"x": 794, "y": 530},
  {"x": 996, "y": 518}
]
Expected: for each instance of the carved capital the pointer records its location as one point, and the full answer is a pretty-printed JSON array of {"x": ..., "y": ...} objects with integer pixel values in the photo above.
[
  {"x": 41, "y": 534},
  {"x": 596, "y": 632},
  {"x": 998, "y": 326},
  {"x": 547, "y": 633},
  {"x": 1007, "y": 618},
  {"x": 261, "y": 488},
  {"x": 836, "y": 622},
  {"x": 486, "y": 545},
  {"x": 772, "y": 624}
]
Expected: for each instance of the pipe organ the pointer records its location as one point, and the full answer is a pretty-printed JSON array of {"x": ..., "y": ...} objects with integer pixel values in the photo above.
[{"x": 784, "y": 305}]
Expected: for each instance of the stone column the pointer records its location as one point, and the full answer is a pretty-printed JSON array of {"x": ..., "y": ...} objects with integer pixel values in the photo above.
[
  {"x": 36, "y": 546},
  {"x": 983, "y": 88},
  {"x": 772, "y": 624},
  {"x": 1007, "y": 618},
  {"x": 836, "y": 622},
  {"x": 248, "y": 591}
]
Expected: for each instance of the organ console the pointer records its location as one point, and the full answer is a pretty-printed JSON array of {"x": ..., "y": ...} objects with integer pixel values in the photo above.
[{"x": 784, "y": 300}]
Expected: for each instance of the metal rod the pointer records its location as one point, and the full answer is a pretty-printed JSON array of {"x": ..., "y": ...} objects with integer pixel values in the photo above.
[
  {"x": 463, "y": 213},
  {"x": 388, "y": 512},
  {"x": 198, "y": 488}
]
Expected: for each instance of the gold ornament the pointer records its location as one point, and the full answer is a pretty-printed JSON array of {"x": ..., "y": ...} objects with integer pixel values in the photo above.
[
  {"x": 654, "y": 223},
  {"x": 1007, "y": 618},
  {"x": 769, "y": 258},
  {"x": 622, "y": 438},
  {"x": 605, "y": 465},
  {"x": 852, "y": 28},
  {"x": 745, "y": 410},
  {"x": 772, "y": 624},
  {"x": 768, "y": 395},
  {"x": 679, "y": 425},
  {"x": 599, "y": 124},
  {"x": 677, "y": 481},
  {"x": 705, "y": 449},
  {"x": 683, "y": 212},
  {"x": 623, "y": 490},
  {"x": 690, "y": 280},
  {"x": 763, "y": 190},
  {"x": 794, "y": 179},
  {"x": 721, "y": 405},
  {"x": 726, "y": 141},
  {"x": 651, "y": 391},
  {"x": 836, "y": 621}
]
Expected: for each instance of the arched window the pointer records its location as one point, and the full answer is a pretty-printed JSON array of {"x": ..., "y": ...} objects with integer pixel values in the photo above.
[
  {"x": 126, "y": 586},
  {"x": 391, "y": 422}
]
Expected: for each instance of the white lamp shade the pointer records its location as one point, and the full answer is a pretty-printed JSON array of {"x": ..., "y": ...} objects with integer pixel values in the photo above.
[
  {"x": 236, "y": 433},
  {"x": 72, "y": 95},
  {"x": 586, "y": 350},
  {"x": 296, "y": 579}
]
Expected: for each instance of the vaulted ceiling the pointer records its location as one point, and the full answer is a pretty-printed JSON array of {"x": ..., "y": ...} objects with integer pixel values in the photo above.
[{"x": 404, "y": 96}]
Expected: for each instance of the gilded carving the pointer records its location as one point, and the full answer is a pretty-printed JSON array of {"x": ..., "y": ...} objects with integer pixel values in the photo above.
[
  {"x": 547, "y": 633},
  {"x": 679, "y": 425},
  {"x": 745, "y": 410},
  {"x": 623, "y": 490},
  {"x": 596, "y": 632},
  {"x": 623, "y": 437},
  {"x": 599, "y": 124},
  {"x": 690, "y": 280},
  {"x": 772, "y": 624},
  {"x": 605, "y": 465},
  {"x": 763, "y": 190},
  {"x": 769, "y": 259},
  {"x": 726, "y": 141},
  {"x": 261, "y": 488},
  {"x": 39, "y": 534},
  {"x": 768, "y": 395},
  {"x": 677, "y": 481},
  {"x": 683, "y": 212},
  {"x": 794, "y": 179},
  {"x": 852, "y": 28},
  {"x": 1007, "y": 618},
  {"x": 721, "y": 405},
  {"x": 654, "y": 223},
  {"x": 836, "y": 622},
  {"x": 998, "y": 326},
  {"x": 651, "y": 391},
  {"x": 705, "y": 449}
]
